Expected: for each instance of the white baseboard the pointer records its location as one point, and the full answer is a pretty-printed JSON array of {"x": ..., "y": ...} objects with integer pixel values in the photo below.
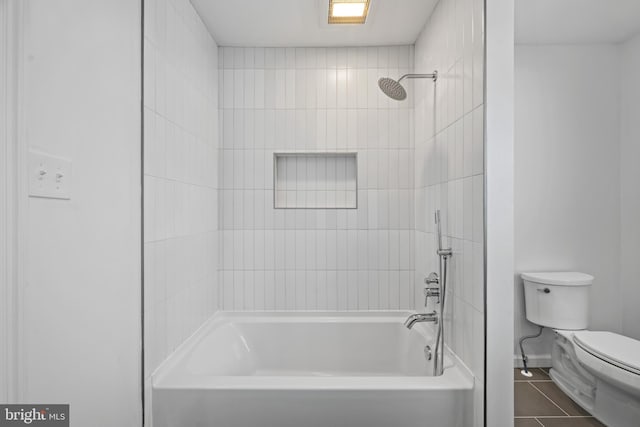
[{"x": 535, "y": 361}]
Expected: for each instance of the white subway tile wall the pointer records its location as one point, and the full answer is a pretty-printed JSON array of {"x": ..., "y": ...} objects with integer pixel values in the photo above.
[
  {"x": 180, "y": 177},
  {"x": 449, "y": 172},
  {"x": 315, "y": 100}
]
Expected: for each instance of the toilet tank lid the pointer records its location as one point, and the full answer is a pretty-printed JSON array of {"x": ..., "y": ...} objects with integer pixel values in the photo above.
[{"x": 561, "y": 278}]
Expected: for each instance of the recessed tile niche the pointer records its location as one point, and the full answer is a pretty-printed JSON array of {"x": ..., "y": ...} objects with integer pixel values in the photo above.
[{"x": 315, "y": 180}]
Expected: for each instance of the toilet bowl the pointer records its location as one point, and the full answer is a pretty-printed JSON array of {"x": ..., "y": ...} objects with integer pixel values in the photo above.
[{"x": 599, "y": 370}]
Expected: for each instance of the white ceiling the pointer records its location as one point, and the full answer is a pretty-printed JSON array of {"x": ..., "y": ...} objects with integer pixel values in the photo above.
[
  {"x": 576, "y": 21},
  {"x": 303, "y": 23}
]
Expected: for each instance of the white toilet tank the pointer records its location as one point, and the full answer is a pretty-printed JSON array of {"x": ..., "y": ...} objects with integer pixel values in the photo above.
[{"x": 558, "y": 300}]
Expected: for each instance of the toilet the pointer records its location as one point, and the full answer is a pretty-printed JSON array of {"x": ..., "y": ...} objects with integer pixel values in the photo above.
[{"x": 599, "y": 370}]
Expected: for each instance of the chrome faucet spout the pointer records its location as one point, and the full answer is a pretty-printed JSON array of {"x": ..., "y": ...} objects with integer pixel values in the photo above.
[{"x": 421, "y": 317}]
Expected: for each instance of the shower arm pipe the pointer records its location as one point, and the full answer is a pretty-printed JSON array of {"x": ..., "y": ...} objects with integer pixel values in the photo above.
[{"x": 433, "y": 76}]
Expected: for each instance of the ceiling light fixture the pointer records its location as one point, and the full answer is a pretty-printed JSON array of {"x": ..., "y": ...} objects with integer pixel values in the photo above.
[{"x": 348, "y": 11}]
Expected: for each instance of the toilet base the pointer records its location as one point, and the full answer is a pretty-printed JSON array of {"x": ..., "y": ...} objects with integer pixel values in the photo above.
[
  {"x": 570, "y": 390},
  {"x": 569, "y": 375},
  {"x": 614, "y": 407}
]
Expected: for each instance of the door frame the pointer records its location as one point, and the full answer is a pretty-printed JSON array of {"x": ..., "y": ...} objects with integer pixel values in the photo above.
[{"x": 12, "y": 197}]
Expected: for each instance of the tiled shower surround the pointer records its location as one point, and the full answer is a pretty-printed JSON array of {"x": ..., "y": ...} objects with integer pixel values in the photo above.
[
  {"x": 414, "y": 156},
  {"x": 318, "y": 100},
  {"x": 213, "y": 238},
  {"x": 180, "y": 177},
  {"x": 449, "y": 156}
]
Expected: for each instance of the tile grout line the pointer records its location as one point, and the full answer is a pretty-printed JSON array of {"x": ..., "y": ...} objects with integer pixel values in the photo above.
[
  {"x": 539, "y": 422},
  {"x": 526, "y": 417},
  {"x": 562, "y": 416},
  {"x": 558, "y": 406}
]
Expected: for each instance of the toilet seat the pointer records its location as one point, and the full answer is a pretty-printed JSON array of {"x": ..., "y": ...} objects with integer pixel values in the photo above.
[
  {"x": 618, "y": 350},
  {"x": 610, "y": 358}
]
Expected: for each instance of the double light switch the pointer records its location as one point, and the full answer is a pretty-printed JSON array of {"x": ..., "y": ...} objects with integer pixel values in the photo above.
[{"x": 49, "y": 176}]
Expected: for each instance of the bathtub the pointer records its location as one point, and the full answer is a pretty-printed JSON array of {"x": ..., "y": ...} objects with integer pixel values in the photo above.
[{"x": 310, "y": 370}]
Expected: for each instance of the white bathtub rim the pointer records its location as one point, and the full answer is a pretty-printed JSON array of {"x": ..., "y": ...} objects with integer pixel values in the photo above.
[
  {"x": 456, "y": 376},
  {"x": 453, "y": 379},
  {"x": 250, "y": 316}
]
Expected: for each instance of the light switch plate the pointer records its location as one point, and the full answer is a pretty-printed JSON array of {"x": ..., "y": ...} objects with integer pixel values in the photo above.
[{"x": 49, "y": 176}]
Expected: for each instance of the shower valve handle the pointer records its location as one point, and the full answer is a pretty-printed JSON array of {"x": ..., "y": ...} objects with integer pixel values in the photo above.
[
  {"x": 432, "y": 278},
  {"x": 430, "y": 292}
]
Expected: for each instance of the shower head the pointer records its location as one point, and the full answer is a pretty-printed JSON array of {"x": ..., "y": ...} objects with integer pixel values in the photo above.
[{"x": 394, "y": 90}]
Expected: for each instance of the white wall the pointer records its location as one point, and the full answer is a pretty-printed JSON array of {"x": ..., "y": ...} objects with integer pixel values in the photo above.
[
  {"x": 315, "y": 99},
  {"x": 499, "y": 228},
  {"x": 629, "y": 187},
  {"x": 180, "y": 178},
  {"x": 567, "y": 180},
  {"x": 80, "y": 337},
  {"x": 449, "y": 173}
]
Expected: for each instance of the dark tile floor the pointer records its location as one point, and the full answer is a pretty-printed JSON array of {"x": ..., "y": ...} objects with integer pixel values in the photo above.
[{"x": 539, "y": 402}]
